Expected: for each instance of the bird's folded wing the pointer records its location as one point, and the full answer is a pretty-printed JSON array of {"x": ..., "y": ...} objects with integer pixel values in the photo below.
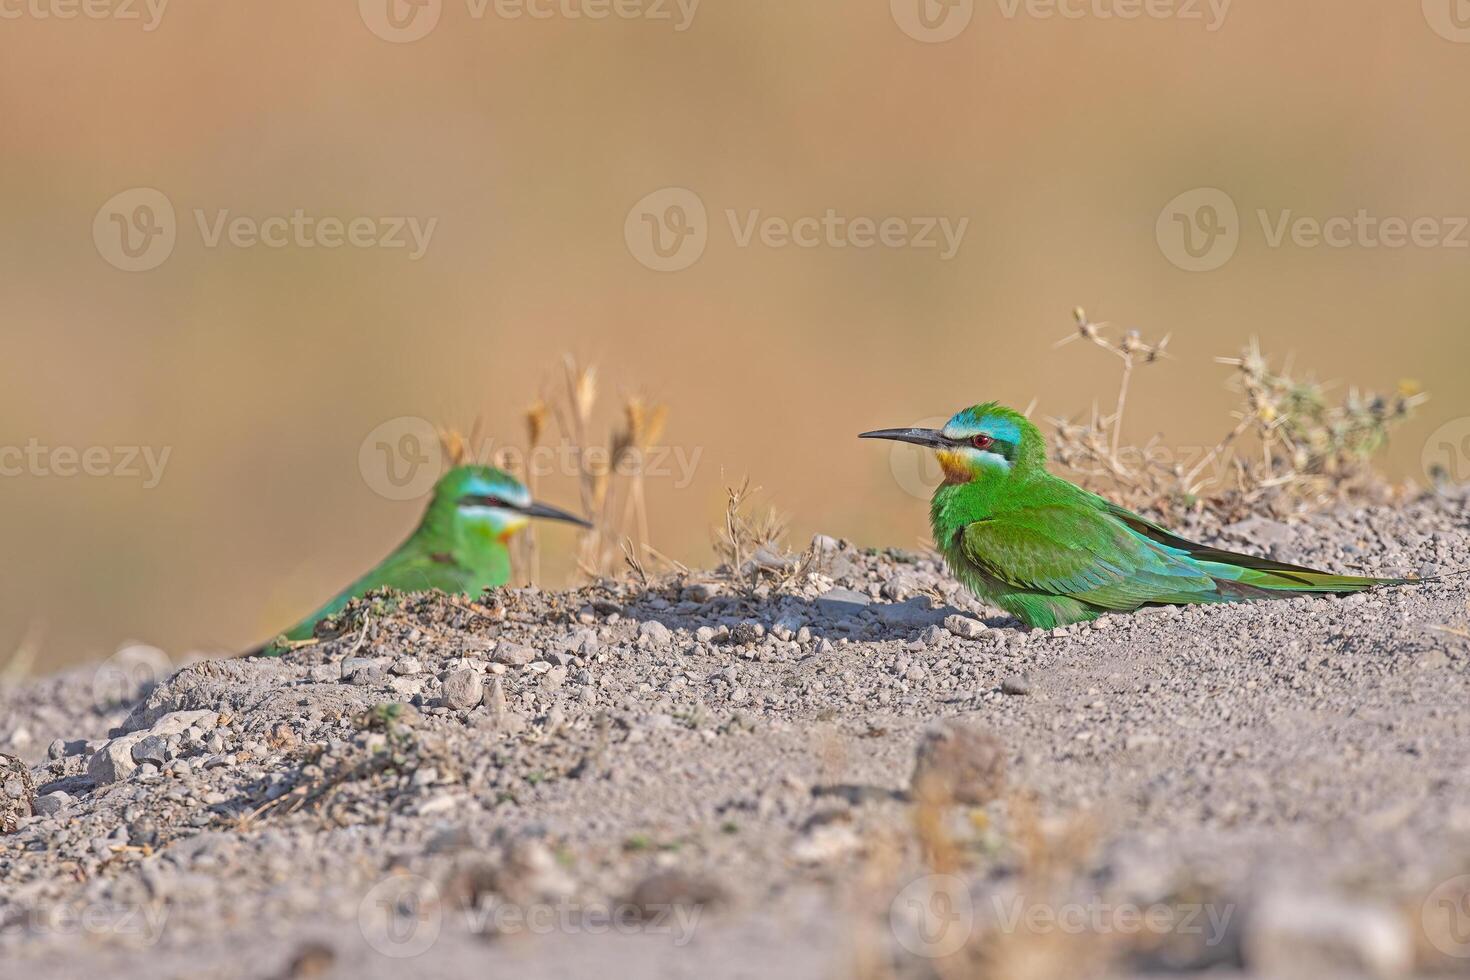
[
  {"x": 1082, "y": 553},
  {"x": 412, "y": 571}
]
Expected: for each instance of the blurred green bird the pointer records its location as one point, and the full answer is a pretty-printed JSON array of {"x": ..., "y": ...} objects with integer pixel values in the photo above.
[
  {"x": 1050, "y": 553},
  {"x": 461, "y": 546}
]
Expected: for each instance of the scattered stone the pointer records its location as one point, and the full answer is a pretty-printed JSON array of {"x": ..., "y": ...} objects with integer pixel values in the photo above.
[
  {"x": 658, "y": 894},
  {"x": 910, "y": 614},
  {"x": 1017, "y": 684},
  {"x": 352, "y": 665},
  {"x": 151, "y": 748},
  {"x": 17, "y": 793},
  {"x": 513, "y": 654},
  {"x": 177, "y": 722},
  {"x": 463, "y": 689},
  {"x": 965, "y": 627},
  {"x": 747, "y": 632},
  {"x": 114, "y": 761},
  {"x": 702, "y": 592},
  {"x": 52, "y": 803},
  {"x": 1312, "y": 935},
  {"x": 369, "y": 676},
  {"x": 838, "y": 603},
  {"x": 959, "y": 763},
  {"x": 652, "y": 631}
]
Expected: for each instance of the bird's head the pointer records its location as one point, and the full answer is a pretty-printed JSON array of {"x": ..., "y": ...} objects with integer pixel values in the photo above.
[
  {"x": 487, "y": 499},
  {"x": 977, "y": 443}
]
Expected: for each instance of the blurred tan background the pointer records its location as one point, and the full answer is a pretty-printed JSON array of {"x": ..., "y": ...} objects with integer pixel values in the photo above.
[{"x": 262, "y": 370}]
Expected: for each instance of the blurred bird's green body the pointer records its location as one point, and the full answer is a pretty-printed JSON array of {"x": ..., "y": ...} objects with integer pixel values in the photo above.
[
  {"x": 1050, "y": 553},
  {"x": 461, "y": 546}
]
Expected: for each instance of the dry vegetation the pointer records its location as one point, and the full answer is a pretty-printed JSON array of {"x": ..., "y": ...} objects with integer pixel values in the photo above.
[
  {"x": 610, "y": 472},
  {"x": 751, "y": 543},
  {"x": 1292, "y": 447}
]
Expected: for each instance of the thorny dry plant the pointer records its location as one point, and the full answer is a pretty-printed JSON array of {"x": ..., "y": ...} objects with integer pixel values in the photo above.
[
  {"x": 751, "y": 542},
  {"x": 1291, "y": 448}
]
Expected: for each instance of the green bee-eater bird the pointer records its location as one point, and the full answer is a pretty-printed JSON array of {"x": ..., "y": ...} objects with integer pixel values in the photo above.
[
  {"x": 1050, "y": 553},
  {"x": 461, "y": 546}
]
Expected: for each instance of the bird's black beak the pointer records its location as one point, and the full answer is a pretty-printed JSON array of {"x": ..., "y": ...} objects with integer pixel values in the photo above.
[
  {"x": 551, "y": 513},
  {"x": 932, "y": 438},
  {"x": 531, "y": 510}
]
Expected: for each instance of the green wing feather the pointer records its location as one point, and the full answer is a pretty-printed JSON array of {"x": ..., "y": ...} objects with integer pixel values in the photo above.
[{"x": 1061, "y": 563}]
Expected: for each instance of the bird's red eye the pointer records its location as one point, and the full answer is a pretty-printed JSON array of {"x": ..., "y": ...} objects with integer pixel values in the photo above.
[{"x": 982, "y": 441}]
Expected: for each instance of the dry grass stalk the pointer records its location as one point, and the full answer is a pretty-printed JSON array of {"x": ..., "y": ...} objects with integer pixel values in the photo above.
[
  {"x": 610, "y": 477},
  {"x": 22, "y": 660},
  {"x": 528, "y": 553},
  {"x": 752, "y": 545},
  {"x": 1301, "y": 450}
]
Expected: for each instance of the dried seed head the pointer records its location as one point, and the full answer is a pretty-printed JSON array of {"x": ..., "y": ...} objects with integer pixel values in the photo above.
[
  {"x": 584, "y": 392},
  {"x": 454, "y": 445},
  {"x": 536, "y": 422}
]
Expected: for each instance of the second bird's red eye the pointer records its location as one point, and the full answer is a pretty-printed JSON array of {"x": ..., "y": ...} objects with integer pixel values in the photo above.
[{"x": 982, "y": 441}]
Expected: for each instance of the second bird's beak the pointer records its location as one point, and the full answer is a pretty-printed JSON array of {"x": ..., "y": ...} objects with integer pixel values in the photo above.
[
  {"x": 533, "y": 509},
  {"x": 932, "y": 438}
]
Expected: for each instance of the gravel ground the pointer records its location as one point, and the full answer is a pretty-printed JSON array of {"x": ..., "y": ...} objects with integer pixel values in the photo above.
[{"x": 851, "y": 770}]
